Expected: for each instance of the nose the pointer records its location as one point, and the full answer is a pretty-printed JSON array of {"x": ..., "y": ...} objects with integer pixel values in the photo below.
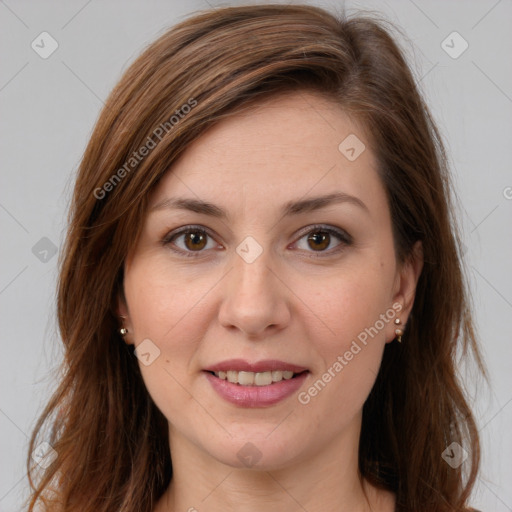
[{"x": 255, "y": 301}]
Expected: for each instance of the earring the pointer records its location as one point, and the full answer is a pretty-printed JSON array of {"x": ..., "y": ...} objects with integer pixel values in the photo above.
[
  {"x": 398, "y": 331},
  {"x": 123, "y": 331}
]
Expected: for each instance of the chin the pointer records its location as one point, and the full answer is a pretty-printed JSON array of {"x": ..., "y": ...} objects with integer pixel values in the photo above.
[{"x": 256, "y": 449}]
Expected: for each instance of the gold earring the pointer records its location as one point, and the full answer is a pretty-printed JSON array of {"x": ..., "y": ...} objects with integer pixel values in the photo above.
[{"x": 398, "y": 331}]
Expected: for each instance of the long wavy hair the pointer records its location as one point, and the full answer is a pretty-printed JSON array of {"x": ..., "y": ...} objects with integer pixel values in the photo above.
[{"x": 111, "y": 441}]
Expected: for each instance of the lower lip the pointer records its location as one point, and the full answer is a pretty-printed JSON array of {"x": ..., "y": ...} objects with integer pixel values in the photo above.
[{"x": 256, "y": 396}]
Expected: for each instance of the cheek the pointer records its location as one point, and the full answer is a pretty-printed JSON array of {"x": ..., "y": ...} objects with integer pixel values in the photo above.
[
  {"x": 168, "y": 312},
  {"x": 354, "y": 314},
  {"x": 350, "y": 362},
  {"x": 348, "y": 303},
  {"x": 162, "y": 302}
]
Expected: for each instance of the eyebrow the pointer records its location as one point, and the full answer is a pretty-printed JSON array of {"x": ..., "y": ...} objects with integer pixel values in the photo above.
[{"x": 290, "y": 208}]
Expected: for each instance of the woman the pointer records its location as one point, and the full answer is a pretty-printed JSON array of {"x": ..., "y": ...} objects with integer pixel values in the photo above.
[{"x": 261, "y": 295}]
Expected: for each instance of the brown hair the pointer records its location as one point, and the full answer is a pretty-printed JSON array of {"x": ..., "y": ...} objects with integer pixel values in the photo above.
[{"x": 111, "y": 440}]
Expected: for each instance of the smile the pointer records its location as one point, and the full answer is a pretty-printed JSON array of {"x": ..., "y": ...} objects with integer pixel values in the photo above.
[{"x": 260, "y": 384}]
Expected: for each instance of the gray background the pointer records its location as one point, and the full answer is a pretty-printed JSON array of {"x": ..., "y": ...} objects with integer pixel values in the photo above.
[{"x": 49, "y": 107}]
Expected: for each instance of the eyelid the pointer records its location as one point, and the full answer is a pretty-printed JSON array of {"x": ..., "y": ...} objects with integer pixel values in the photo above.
[
  {"x": 324, "y": 227},
  {"x": 185, "y": 229}
]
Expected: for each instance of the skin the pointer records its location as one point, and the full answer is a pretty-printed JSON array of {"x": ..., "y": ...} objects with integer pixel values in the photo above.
[{"x": 299, "y": 301}]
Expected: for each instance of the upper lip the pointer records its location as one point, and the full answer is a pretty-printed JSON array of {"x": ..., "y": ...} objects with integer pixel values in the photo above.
[{"x": 240, "y": 365}]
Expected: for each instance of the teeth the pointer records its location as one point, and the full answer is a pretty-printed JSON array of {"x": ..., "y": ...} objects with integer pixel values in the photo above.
[
  {"x": 254, "y": 378},
  {"x": 263, "y": 378},
  {"x": 232, "y": 376},
  {"x": 245, "y": 378},
  {"x": 277, "y": 376}
]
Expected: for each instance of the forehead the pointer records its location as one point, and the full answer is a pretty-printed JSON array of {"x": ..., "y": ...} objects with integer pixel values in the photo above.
[{"x": 283, "y": 148}]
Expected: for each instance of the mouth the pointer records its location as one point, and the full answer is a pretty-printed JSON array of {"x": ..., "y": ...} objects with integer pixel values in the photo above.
[{"x": 260, "y": 384}]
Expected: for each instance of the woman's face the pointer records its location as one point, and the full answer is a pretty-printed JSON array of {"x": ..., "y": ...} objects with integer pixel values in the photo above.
[{"x": 267, "y": 249}]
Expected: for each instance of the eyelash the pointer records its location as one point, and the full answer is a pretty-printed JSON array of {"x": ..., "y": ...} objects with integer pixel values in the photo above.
[{"x": 344, "y": 238}]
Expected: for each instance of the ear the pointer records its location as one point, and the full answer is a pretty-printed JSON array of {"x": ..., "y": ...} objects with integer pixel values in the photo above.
[
  {"x": 124, "y": 318},
  {"x": 406, "y": 281}
]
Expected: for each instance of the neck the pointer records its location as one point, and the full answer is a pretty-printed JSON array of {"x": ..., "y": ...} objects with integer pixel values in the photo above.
[{"x": 325, "y": 481}]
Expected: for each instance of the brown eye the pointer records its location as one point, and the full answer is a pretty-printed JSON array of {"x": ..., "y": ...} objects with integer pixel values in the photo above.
[
  {"x": 324, "y": 241},
  {"x": 195, "y": 240},
  {"x": 319, "y": 240},
  {"x": 190, "y": 241}
]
